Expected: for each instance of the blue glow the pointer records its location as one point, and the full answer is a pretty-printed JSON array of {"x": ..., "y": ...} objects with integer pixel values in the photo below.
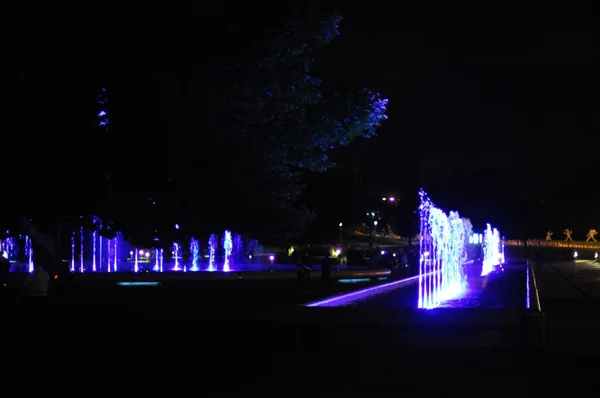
[
  {"x": 227, "y": 247},
  {"x": 176, "y": 250},
  {"x": 138, "y": 283},
  {"x": 354, "y": 280},
  {"x": 103, "y": 114},
  {"x": 195, "y": 251},
  {"x": 212, "y": 248}
]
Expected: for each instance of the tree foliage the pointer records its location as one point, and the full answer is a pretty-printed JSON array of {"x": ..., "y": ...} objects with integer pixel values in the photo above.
[
  {"x": 250, "y": 119},
  {"x": 277, "y": 120}
]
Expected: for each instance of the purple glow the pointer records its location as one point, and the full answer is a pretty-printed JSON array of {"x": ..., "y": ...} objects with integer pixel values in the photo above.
[
  {"x": 442, "y": 254},
  {"x": 108, "y": 255},
  {"x": 212, "y": 248},
  {"x": 176, "y": 256},
  {"x": 194, "y": 250},
  {"x": 347, "y": 298},
  {"x": 73, "y": 252},
  {"x": 100, "y": 252},
  {"x": 115, "y": 256},
  {"x": 81, "y": 249},
  {"x": 29, "y": 254},
  {"x": 161, "y": 260},
  {"x": 94, "y": 251},
  {"x": 227, "y": 247},
  {"x": 156, "y": 261},
  {"x": 271, "y": 258},
  {"x": 102, "y": 114},
  {"x": 135, "y": 261}
]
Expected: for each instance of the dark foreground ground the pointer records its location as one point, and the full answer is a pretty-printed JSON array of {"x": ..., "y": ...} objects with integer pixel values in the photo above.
[{"x": 206, "y": 338}]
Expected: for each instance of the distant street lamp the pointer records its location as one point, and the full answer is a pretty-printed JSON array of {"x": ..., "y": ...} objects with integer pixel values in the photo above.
[{"x": 341, "y": 225}]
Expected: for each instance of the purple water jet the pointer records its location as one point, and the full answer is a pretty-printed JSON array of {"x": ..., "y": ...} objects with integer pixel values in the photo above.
[
  {"x": 227, "y": 246},
  {"x": 212, "y": 248},
  {"x": 194, "y": 250}
]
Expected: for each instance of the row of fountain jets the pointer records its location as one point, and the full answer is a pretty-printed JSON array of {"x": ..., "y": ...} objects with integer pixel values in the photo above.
[
  {"x": 112, "y": 247},
  {"x": 110, "y": 257}
]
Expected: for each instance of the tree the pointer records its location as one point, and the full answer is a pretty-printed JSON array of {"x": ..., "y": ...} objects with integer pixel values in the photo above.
[
  {"x": 250, "y": 119},
  {"x": 275, "y": 120}
]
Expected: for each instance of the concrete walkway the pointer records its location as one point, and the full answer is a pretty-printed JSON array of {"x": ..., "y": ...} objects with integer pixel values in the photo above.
[{"x": 570, "y": 293}]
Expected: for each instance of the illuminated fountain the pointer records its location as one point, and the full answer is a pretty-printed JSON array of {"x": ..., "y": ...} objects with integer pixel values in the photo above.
[
  {"x": 212, "y": 248},
  {"x": 73, "y": 252},
  {"x": 176, "y": 251},
  {"x": 227, "y": 247},
  {"x": 156, "y": 262},
  {"x": 136, "y": 267},
  {"x": 443, "y": 240},
  {"x": 94, "y": 251},
  {"x": 29, "y": 254},
  {"x": 195, "y": 251},
  {"x": 160, "y": 262},
  {"x": 81, "y": 249},
  {"x": 493, "y": 250},
  {"x": 100, "y": 253},
  {"x": 115, "y": 253},
  {"x": 108, "y": 257}
]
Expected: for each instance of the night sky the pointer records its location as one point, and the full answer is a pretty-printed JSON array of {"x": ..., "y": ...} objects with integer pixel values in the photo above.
[{"x": 485, "y": 102}]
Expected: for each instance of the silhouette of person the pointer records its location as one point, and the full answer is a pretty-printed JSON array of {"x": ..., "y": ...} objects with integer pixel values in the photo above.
[
  {"x": 591, "y": 236},
  {"x": 549, "y": 235},
  {"x": 567, "y": 232}
]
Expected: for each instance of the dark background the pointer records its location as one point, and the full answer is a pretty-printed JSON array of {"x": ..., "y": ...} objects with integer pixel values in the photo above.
[{"x": 492, "y": 109}]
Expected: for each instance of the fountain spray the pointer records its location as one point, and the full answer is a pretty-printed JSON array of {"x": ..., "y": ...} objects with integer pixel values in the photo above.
[
  {"x": 212, "y": 248},
  {"x": 194, "y": 249},
  {"x": 108, "y": 257},
  {"x": 135, "y": 261},
  {"x": 94, "y": 251},
  {"x": 176, "y": 256},
  {"x": 115, "y": 254},
  {"x": 73, "y": 252},
  {"x": 100, "y": 252},
  {"x": 81, "y": 249},
  {"x": 161, "y": 260},
  {"x": 227, "y": 246},
  {"x": 156, "y": 267},
  {"x": 28, "y": 254},
  {"x": 442, "y": 252}
]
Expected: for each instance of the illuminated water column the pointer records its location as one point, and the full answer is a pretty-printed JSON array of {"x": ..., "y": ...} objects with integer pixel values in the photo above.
[
  {"x": 176, "y": 250},
  {"x": 493, "y": 250},
  {"x": 73, "y": 252},
  {"x": 194, "y": 249},
  {"x": 161, "y": 260},
  {"x": 212, "y": 248},
  {"x": 81, "y": 249},
  {"x": 442, "y": 254},
  {"x": 100, "y": 252},
  {"x": 29, "y": 254},
  {"x": 135, "y": 261},
  {"x": 227, "y": 247},
  {"x": 94, "y": 251},
  {"x": 156, "y": 266},
  {"x": 115, "y": 253},
  {"x": 108, "y": 256}
]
